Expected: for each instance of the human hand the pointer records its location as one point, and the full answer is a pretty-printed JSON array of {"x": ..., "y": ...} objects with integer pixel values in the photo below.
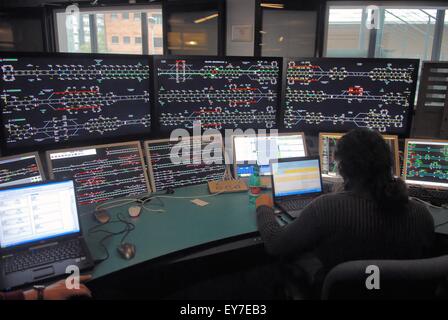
[
  {"x": 59, "y": 291},
  {"x": 264, "y": 200}
]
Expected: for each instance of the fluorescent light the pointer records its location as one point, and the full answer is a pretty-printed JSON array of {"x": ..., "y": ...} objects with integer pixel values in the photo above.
[
  {"x": 272, "y": 5},
  {"x": 212, "y": 16},
  {"x": 192, "y": 43}
]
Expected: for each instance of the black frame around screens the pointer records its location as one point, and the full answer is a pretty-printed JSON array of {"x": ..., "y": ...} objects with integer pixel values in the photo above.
[
  {"x": 406, "y": 130},
  {"x": 6, "y": 150},
  {"x": 157, "y": 108}
]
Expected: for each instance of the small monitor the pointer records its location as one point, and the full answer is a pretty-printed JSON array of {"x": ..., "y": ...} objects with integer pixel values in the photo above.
[
  {"x": 20, "y": 169},
  {"x": 426, "y": 163},
  {"x": 327, "y": 148},
  {"x": 31, "y": 213},
  {"x": 296, "y": 176},
  {"x": 251, "y": 150},
  {"x": 101, "y": 172}
]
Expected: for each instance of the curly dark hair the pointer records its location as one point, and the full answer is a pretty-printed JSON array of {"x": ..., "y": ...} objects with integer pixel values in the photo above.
[{"x": 365, "y": 161}]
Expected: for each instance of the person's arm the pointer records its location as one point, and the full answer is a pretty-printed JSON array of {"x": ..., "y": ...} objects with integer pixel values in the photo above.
[{"x": 298, "y": 236}]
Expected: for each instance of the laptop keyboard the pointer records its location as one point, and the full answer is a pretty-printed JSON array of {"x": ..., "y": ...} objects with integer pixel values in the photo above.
[
  {"x": 295, "y": 204},
  {"x": 37, "y": 257}
]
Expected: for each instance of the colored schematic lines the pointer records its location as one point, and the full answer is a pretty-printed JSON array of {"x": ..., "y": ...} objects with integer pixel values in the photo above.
[
  {"x": 233, "y": 96},
  {"x": 306, "y": 72},
  {"x": 167, "y": 174},
  {"x": 63, "y": 128},
  {"x": 69, "y": 72},
  {"x": 374, "y": 119},
  {"x": 8, "y": 175},
  {"x": 71, "y": 100},
  {"x": 107, "y": 173},
  {"x": 219, "y": 118},
  {"x": 427, "y": 162},
  {"x": 181, "y": 71},
  {"x": 349, "y": 95}
]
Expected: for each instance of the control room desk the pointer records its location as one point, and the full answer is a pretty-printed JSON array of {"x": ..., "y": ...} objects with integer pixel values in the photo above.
[{"x": 183, "y": 226}]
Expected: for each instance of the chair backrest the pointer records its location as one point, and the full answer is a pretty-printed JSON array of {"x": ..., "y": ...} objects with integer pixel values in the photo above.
[{"x": 398, "y": 279}]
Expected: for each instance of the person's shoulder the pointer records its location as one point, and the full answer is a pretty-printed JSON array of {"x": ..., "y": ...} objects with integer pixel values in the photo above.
[
  {"x": 419, "y": 209},
  {"x": 333, "y": 197}
]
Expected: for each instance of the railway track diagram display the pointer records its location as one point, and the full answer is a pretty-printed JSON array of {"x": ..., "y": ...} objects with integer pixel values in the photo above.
[
  {"x": 20, "y": 169},
  {"x": 220, "y": 93},
  {"x": 52, "y": 99},
  {"x": 101, "y": 172},
  {"x": 426, "y": 162},
  {"x": 166, "y": 172},
  {"x": 333, "y": 94}
]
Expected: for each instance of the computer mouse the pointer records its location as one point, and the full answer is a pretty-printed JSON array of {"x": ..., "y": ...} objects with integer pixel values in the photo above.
[
  {"x": 134, "y": 211},
  {"x": 126, "y": 250},
  {"x": 101, "y": 216}
]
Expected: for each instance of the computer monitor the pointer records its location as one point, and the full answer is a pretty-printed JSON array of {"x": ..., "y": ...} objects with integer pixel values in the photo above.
[
  {"x": 173, "y": 164},
  {"x": 296, "y": 176},
  {"x": 51, "y": 99},
  {"x": 327, "y": 147},
  {"x": 20, "y": 169},
  {"x": 101, "y": 172},
  {"x": 339, "y": 94},
  {"x": 259, "y": 149},
  {"x": 220, "y": 92},
  {"x": 426, "y": 163},
  {"x": 31, "y": 213}
]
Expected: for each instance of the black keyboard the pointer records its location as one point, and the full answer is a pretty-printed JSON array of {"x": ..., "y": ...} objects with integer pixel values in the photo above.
[
  {"x": 434, "y": 196},
  {"x": 33, "y": 258},
  {"x": 295, "y": 204}
]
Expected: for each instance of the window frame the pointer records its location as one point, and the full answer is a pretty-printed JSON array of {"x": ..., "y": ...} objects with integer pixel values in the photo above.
[
  {"x": 373, "y": 34},
  {"x": 114, "y": 8}
]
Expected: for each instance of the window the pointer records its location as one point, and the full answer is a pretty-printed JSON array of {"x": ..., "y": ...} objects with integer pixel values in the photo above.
[
  {"x": 158, "y": 42},
  {"x": 347, "y": 35},
  {"x": 405, "y": 31},
  {"x": 113, "y": 35}
]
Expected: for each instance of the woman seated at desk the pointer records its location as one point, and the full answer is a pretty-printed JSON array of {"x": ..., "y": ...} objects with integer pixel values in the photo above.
[{"x": 372, "y": 218}]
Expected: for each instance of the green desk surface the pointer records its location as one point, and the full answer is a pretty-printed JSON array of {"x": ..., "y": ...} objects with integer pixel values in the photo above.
[{"x": 183, "y": 225}]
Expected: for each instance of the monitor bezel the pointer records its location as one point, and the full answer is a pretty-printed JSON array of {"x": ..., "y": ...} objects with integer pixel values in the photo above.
[
  {"x": 158, "y": 110},
  {"x": 99, "y": 146},
  {"x": 6, "y": 149},
  {"x": 235, "y": 164},
  {"x": 406, "y": 142},
  {"x": 409, "y": 116},
  {"x": 157, "y": 141}
]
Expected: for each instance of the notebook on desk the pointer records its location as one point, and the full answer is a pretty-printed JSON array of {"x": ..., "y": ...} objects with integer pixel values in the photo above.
[
  {"x": 295, "y": 183},
  {"x": 40, "y": 234}
]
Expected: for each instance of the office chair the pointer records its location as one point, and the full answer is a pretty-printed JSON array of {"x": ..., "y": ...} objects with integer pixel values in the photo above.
[{"x": 399, "y": 279}]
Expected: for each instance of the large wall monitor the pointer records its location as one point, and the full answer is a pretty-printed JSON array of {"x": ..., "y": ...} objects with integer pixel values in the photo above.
[
  {"x": 101, "y": 172},
  {"x": 222, "y": 93},
  {"x": 338, "y": 94},
  {"x": 249, "y": 150},
  {"x": 20, "y": 169},
  {"x": 49, "y": 99},
  {"x": 327, "y": 148},
  {"x": 426, "y": 163},
  {"x": 167, "y": 170}
]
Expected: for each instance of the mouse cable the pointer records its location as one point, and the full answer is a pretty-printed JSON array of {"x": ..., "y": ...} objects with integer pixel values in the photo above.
[
  {"x": 129, "y": 227},
  {"x": 109, "y": 234}
]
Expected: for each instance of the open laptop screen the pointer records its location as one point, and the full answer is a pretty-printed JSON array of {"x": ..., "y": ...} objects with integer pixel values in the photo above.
[
  {"x": 297, "y": 177},
  {"x": 37, "y": 212},
  {"x": 426, "y": 163}
]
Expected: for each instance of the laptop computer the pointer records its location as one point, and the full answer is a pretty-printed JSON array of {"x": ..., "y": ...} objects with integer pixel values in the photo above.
[
  {"x": 295, "y": 183},
  {"x": 40, "y": 233}
]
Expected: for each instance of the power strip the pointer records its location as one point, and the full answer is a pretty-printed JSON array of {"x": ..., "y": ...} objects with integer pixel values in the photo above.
[{"x": 227, "y": 186}]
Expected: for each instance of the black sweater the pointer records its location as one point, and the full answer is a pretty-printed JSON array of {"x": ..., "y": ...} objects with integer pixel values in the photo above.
[{"x": 348, "y": 226}]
